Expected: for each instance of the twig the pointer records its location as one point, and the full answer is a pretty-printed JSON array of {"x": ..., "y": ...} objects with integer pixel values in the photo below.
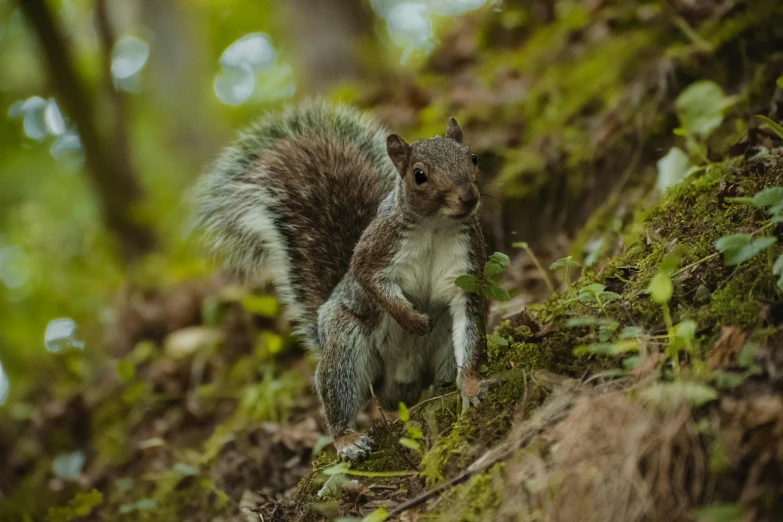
[
  {"x": 459, "y": 478},
  {"x": 695, "y": 263},
  {"x": 422, "y": 403},
  {"x": 462, "y": 477},
  {"x": 540, "y": 268}
]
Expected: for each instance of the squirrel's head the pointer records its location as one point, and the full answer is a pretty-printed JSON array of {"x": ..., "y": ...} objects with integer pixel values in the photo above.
[{"x": 438, "y": 175}]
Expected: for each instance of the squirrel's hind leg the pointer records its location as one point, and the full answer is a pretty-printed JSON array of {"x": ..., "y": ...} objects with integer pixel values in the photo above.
[{"x": 343, "y": 380}]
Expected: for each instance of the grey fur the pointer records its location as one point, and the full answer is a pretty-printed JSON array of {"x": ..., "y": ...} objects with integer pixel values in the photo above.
[
  {"x": 242, "y": 207},
  {"x": 363, "y": 254}
]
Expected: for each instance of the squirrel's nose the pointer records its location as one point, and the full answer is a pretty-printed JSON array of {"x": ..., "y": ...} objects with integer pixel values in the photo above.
[{"x": 469, "y": 198}]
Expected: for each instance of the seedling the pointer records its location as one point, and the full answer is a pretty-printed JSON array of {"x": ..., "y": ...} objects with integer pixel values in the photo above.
[{"x": 488, "y": 284}]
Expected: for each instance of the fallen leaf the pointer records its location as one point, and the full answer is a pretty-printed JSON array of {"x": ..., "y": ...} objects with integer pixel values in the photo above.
[
  {"x": 188, "y": 340},
  {"x": 725, "y": 350}
]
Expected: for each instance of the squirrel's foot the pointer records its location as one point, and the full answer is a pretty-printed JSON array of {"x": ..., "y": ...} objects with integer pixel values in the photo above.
[
  {"x": 353, "y": 446},
  {"x": 472, "y": 390}
]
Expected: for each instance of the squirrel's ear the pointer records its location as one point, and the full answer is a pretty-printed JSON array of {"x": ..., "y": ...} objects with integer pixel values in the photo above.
[
  {"x": 454, "y": 131},
  {"x": 398, "y": 151}
]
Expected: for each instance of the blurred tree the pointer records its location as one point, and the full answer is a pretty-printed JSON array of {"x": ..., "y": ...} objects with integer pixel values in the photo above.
[
  {"x": 327, "y": 35},
  {"x": 108, "y": 160}
]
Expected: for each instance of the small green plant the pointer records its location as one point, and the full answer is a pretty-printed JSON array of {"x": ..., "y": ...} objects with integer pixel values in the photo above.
[
  {"x": 496, "y": 340},
  {"x": 568, "y": 263},
  {"x": 700, "y": 108},
  {"x": 626, "y": 341},
  {"x": 596, "y": 294},
  {"x": 81, "y": 505},
  {"x": 415, "y": 435},
  {"x": 739, "y": 248},
  {"x": 488, "y": 284},
  {"x": 679, "y": 337},
  {"x": 776, "y": 128}
]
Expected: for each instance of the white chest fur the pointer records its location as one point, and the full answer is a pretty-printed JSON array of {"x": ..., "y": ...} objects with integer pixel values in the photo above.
[{"x": 427, "y": 263}]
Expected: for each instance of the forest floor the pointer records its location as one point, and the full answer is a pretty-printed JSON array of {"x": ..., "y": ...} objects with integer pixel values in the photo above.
[{"x": 640, "y": 380}]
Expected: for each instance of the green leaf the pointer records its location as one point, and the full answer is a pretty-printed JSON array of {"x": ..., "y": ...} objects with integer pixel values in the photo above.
[
  {"x": 672, "y": 393},
  {"x": 81, "y": 505},
  {"x": 322, "y": 442},
  {"x": 632, "y": 361},
  {"x": 747, "y": 355},
  {"x": 720, "y": 513},
  {"x": 608, "y": 297},
  {"x": 771, "y": 197},
  {"x": 776, "y": 128},
  {"x": 340, "y": 467},
  {"x": 410, "y": 444},
  {"x": 415, "y": 433},
  {"x": 405, "y": 415},
  {"x": 594, "y": 289},
  {"x": 700, "y": 107},
  {"x": 606, "y": 330},
  {"x": 126, "y": 370},
  {"x": 492, "y": 268},
  {"x": 685, "y": 329},
  {"x": 630, "y": 332},
  {"x": 520, "y": 244},
  {"x": 779, "y": 82},
  {"x": 725, "y": 380},
  {"x": 672, "y": 169},
  {"x": 185, "y": 470},
  {"x": 624, "y": 346},
  {"x": 468, "y": 282},
  {"x": 497, "y": 340},
  {"x": 379, "y": 515},
  {"x": 564, "y": 262},
  {"x": 661, "y": 288},
  {"x": 576, "y": 322},
  {"x": 333, "y": 486},
  {"x": 738, "y": 248},
  {"x": 262, "y": 305},
  {"x": 501, "y": 259},
  {"x": 495, "y": 291},
  {"x": 145, "y": 504}
]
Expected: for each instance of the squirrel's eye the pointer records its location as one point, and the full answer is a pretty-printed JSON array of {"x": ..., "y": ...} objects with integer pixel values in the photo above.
[
  {"x": 474, "y": 158},
  {"x": 419, "y": 176}
]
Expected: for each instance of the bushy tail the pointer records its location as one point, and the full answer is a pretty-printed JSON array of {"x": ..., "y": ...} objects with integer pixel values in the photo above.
[{"x": 288, "y": 201}]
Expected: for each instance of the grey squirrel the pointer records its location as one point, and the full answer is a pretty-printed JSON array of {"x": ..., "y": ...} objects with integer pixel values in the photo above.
[{"x": 363, "y": 235}]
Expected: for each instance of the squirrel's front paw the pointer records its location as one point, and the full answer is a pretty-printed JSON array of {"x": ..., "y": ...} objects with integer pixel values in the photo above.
[
  {"x": 419, "y": 324},
  {"x": 353, "y": 446}
]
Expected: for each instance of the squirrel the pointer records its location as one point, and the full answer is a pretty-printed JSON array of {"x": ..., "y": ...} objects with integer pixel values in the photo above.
[{"x": 363, "y": 236}]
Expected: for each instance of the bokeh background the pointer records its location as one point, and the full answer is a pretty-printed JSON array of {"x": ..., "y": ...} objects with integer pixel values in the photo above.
[
  {"x": 128, "y": 363},
  {"x": 156, "y": 89}
]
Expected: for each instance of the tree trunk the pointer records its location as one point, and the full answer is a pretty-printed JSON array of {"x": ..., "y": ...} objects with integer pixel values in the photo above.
[
  {"x": 108, "y": 162},
  {"x": 328, "y": 35}
]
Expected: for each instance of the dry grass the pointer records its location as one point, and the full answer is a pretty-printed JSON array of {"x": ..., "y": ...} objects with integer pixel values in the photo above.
[{"x": 601, "y": 456}]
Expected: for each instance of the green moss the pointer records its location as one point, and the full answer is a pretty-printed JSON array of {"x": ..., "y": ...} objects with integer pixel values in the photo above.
[
  {"x": 477, "y": 499},
  {"x": 479, "y": 428},
  {"x": 741, "y": 300}
]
